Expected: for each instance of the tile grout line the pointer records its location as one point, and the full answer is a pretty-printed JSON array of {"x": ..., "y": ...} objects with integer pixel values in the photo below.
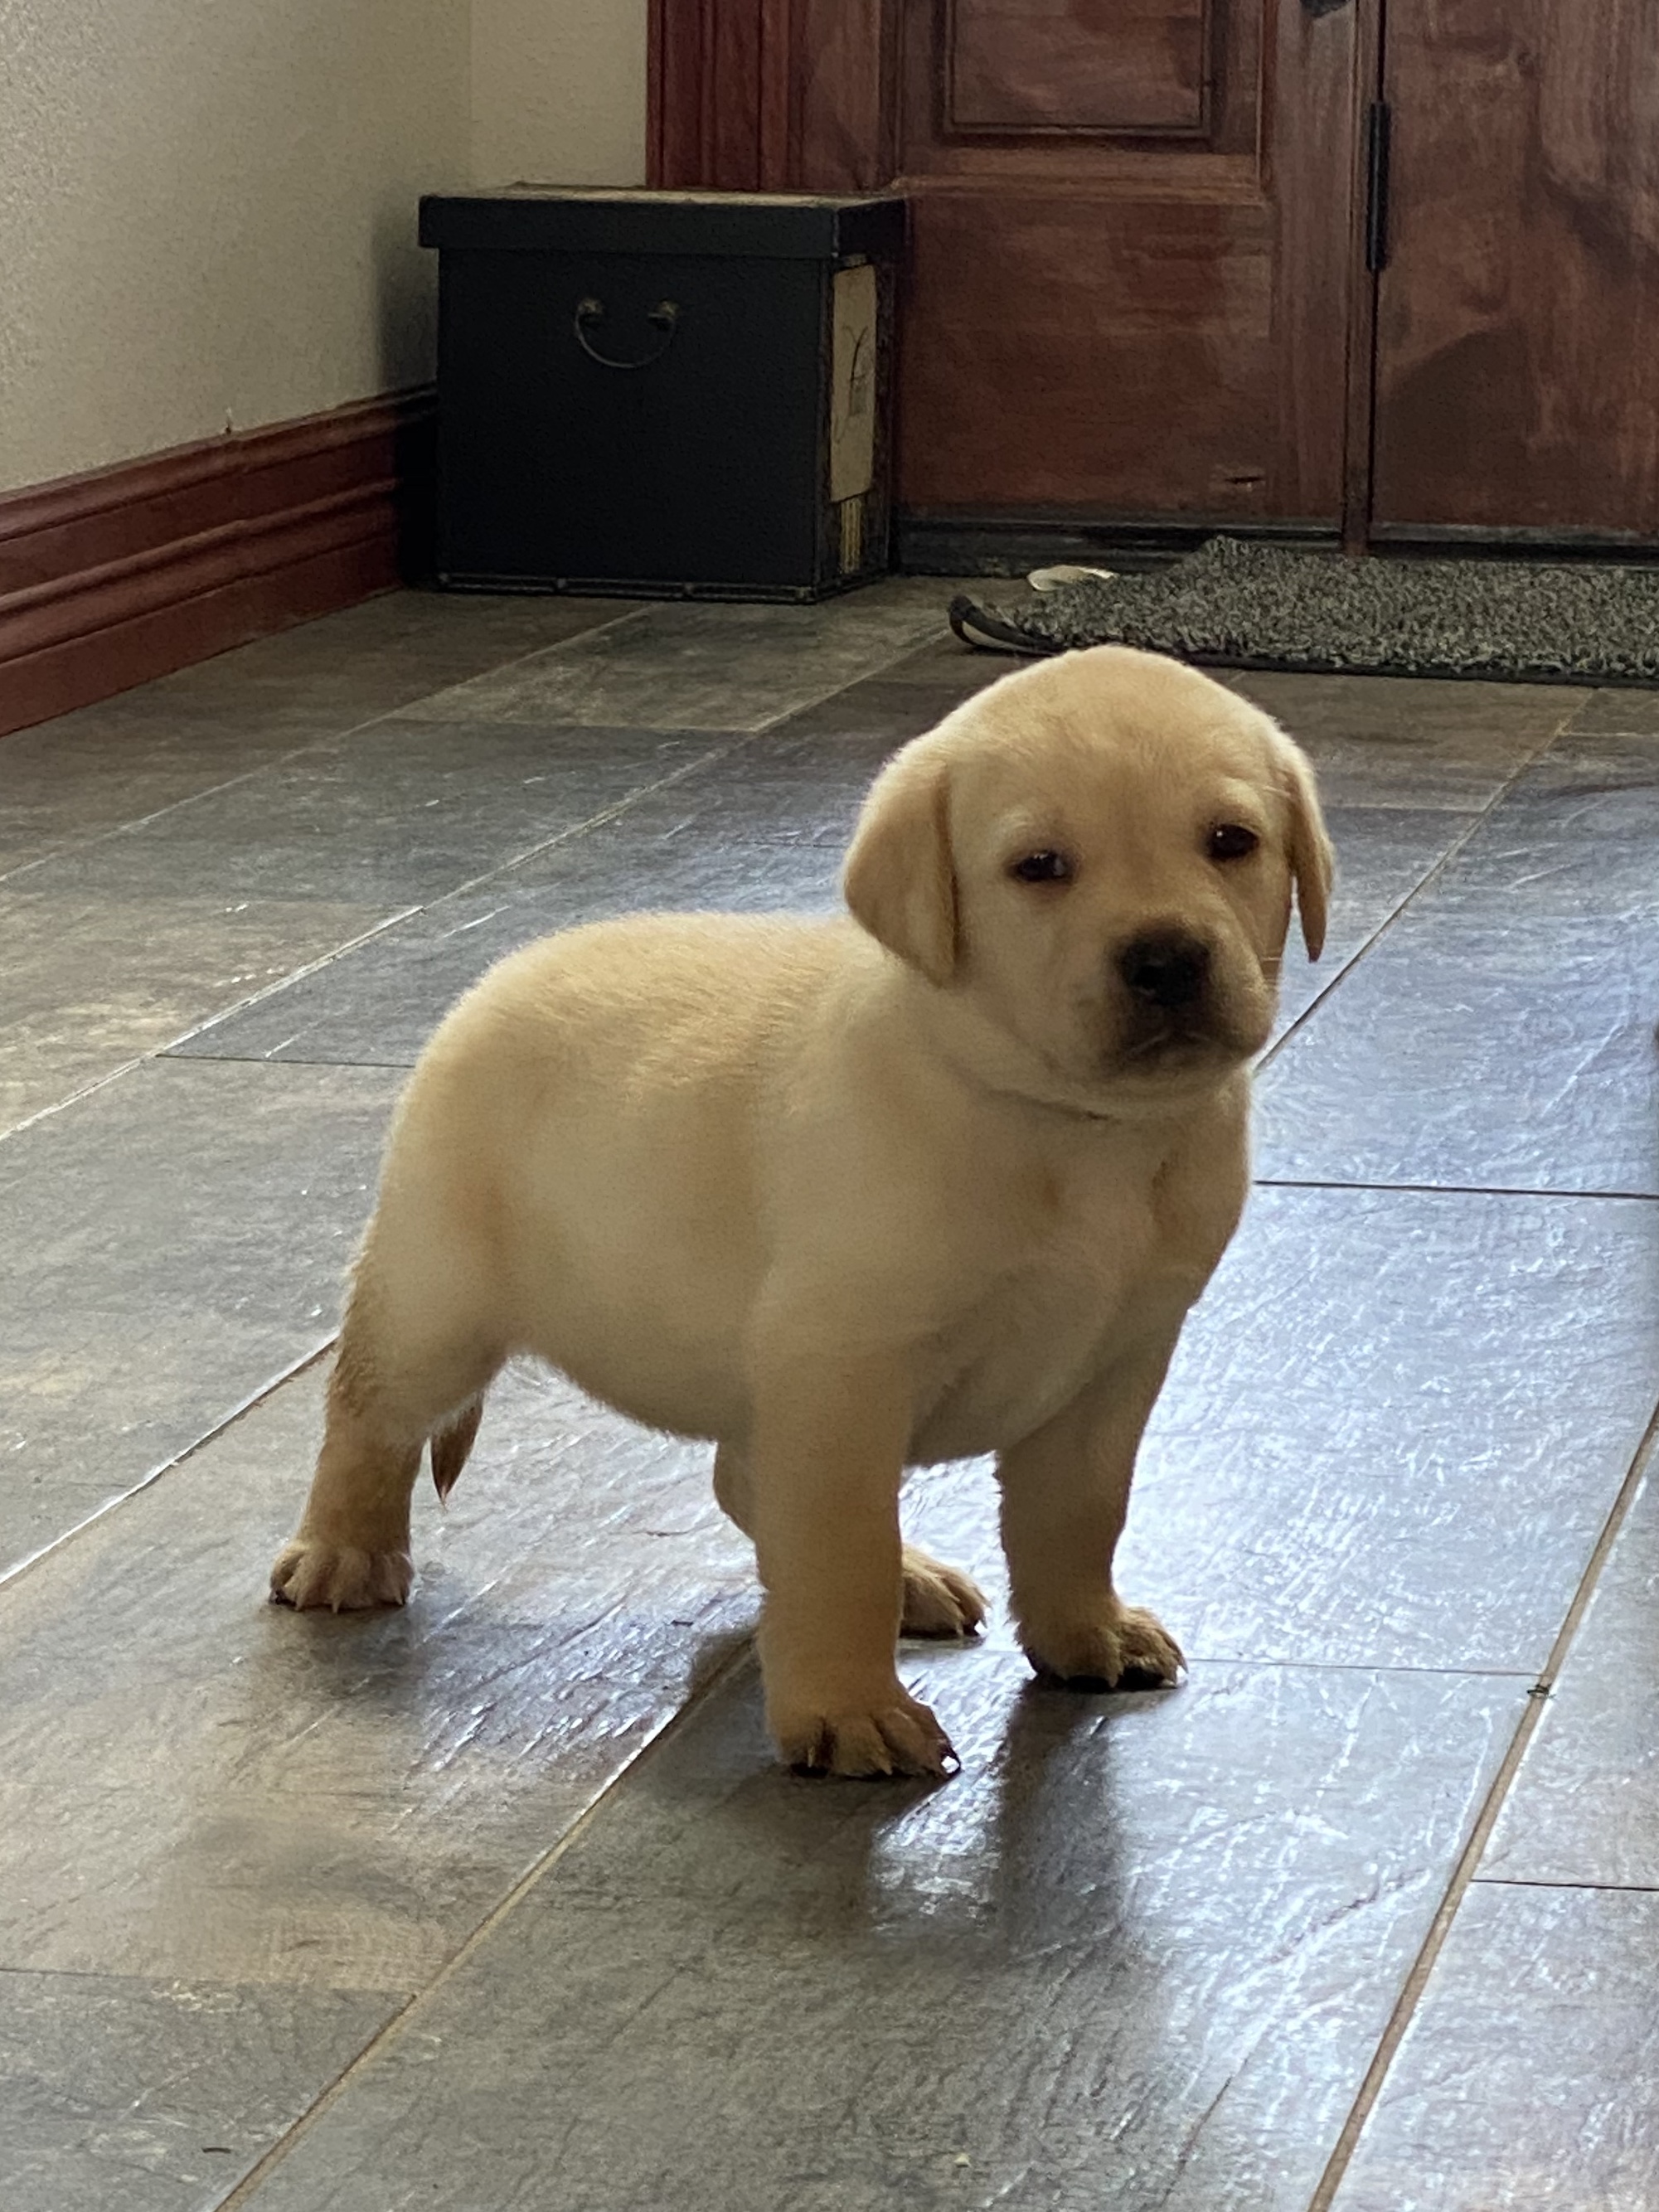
[
  {"x": 763, "y": 728},
  {"x": 600, "y": 820},
  {"x": 282, "y": 759},
  {"x": 241, "y": 2192},
  {"x": 231, "y": 783},
  {"x": 245, "y": 1406},
  {"x": 1475, "y": 1672},
  {"x": 1543, "y": 1881},
  {"x": 1464, "y": 1872},
  {"x": 822, "y": 698},
  {"x": 733, "y": 742},
  {"x": 160, "y": 1052},
  {"x": 1425, "y": 883},
  {"x": 310, "y": 967},
  {"x": 1439, "y": 1189}
]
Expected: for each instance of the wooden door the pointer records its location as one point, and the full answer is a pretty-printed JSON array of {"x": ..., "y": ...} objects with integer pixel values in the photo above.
[
  {"x": 1133, "y": 233},
  {"x": 1130, "y": 257},
  {"x": 1517, "y": 364}
]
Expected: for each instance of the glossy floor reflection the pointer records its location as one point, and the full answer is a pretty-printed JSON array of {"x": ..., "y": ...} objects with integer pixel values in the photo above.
[{"x": 500, "y": 1900}]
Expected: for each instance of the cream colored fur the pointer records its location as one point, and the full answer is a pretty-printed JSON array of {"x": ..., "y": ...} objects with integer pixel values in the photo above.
[{"x": 846, "y": 1197}]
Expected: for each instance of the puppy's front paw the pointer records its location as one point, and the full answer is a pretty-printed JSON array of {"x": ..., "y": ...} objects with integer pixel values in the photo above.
[
  {"x": 309, "y": 1573},
  {"x": 939, "y": 1601},
  {"x": 1123, "y": 1646},
  {"x": 893, "y": 1735}
]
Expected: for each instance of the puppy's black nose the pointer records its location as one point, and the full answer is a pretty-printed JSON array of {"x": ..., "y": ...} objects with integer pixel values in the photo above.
[{"x": 1165, "y": 967}]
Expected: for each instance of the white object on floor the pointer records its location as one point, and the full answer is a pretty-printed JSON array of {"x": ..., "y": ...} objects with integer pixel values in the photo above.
[{"x": 1045, "y": 580}]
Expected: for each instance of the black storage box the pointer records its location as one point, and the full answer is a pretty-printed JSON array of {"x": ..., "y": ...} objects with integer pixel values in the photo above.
[{"x": 662, "y": 393}]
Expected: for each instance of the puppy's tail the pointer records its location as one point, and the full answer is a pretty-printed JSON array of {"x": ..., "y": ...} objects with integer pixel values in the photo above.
[{"x": 452, "y": 1443}]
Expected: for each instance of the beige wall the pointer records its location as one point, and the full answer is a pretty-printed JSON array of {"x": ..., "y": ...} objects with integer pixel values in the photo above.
[
  {"x": 207, "y": 207},
  {"x": 558, "y": 91}
]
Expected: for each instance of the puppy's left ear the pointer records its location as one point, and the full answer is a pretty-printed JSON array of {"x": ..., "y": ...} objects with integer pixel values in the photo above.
[
  {"x": 899, "y": 879},
  {"x": 1312, "y": 862}
]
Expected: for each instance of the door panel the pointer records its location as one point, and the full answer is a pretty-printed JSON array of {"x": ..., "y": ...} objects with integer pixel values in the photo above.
[
  {"x": 1116, "y": 65},
  {"x": 1120, "y": 211},
  {"x": 1126, "y": 378},
  {"x": 1518, "y": 315}
]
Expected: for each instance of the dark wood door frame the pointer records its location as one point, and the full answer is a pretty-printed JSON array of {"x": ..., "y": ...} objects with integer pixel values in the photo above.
[
  {"x": 1359, "y": 434},
  {"x": 802, "y": 95},
  {"x": 772, "y": 96},
  {"x": 720, "y": 93}
]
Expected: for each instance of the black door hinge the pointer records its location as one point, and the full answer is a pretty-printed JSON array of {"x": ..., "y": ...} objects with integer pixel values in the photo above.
[{"x": 1377, "y": 184}]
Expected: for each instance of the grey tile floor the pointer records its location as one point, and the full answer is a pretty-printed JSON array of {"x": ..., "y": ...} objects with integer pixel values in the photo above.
[{"x": 500, "y": 1902}]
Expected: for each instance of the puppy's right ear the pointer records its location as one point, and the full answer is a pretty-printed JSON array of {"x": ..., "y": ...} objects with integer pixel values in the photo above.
[{"x": 899, "y": 879}]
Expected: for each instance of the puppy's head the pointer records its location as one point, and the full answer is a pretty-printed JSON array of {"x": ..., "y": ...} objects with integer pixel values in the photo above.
[{"x": 1100, "y": 853}]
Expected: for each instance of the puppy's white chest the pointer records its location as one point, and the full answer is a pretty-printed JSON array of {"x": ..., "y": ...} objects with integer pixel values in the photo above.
[{"x": 1101, "y": 1277}]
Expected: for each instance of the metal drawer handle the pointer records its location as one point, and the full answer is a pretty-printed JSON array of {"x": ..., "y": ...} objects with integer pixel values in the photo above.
[{"x": 665, "y": 318}]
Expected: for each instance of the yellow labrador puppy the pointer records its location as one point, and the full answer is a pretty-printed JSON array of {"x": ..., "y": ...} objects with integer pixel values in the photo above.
[{"x": 849, "y": 1196}]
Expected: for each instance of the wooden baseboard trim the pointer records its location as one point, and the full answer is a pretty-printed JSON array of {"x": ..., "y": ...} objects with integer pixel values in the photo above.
[
  {"x": 1550, "y": 542},
  {"x": 110, "y": 579}
]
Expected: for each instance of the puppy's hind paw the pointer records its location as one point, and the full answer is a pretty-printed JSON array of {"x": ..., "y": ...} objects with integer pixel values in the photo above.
[
  {"x": 939, "y": 1601},
  {"x": 309, "y": 1574}
]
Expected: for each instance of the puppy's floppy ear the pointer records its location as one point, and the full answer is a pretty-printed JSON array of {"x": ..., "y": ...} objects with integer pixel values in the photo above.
[
  {"x": 1312, "y": 862},
  {"x": 899, "y": 879}
]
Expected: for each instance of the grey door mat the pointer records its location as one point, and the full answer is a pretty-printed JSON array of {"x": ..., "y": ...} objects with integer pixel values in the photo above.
[{"x": 1236, "y": 605}]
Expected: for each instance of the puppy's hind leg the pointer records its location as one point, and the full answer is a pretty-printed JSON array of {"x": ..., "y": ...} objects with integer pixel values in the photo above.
[{"x": 416, "y": 1356}]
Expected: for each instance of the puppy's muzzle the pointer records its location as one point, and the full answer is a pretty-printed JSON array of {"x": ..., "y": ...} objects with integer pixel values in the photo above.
[{"x": 1165, "y": 971}]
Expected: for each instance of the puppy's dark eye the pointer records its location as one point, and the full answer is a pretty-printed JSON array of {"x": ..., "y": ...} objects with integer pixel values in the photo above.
[
  {"x": 1232, "y": 841},
  {"x": 1042, "y": 868}
]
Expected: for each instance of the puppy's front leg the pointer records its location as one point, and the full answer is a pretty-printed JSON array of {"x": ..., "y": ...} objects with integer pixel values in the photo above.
[
  {"x": 1065, "y": 1498},
  {"x": 828, "y": 1457}
]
